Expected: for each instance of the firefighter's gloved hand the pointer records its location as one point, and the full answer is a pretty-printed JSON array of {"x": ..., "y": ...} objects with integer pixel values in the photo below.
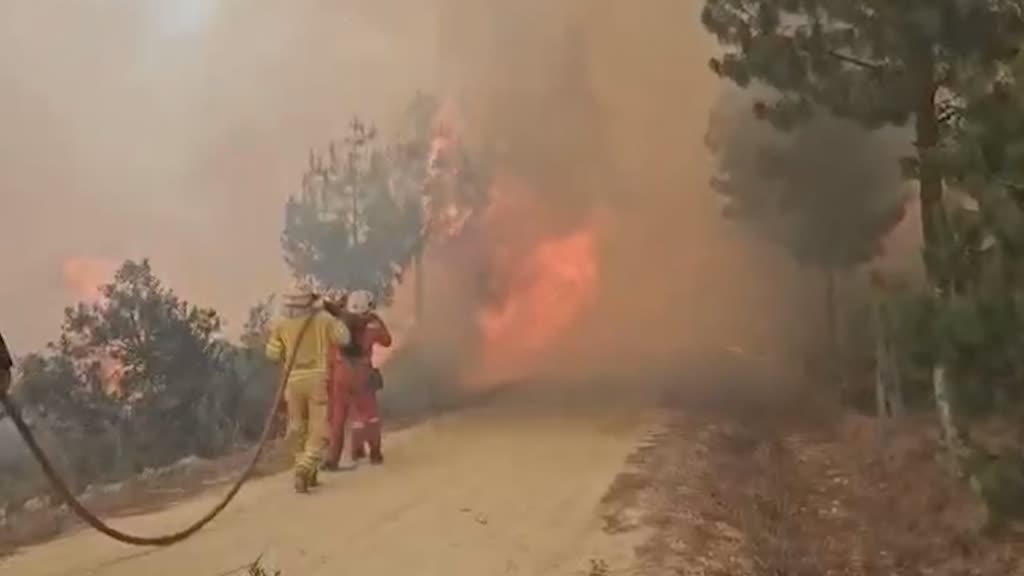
[
  {"x": 5, "y": 382},
  {"x": 334, "y": 308}
]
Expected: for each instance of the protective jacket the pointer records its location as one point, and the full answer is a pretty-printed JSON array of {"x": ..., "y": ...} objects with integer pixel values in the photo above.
[
  {"x": 306, "y": 393},
  {"x": 354, "y": 386}
]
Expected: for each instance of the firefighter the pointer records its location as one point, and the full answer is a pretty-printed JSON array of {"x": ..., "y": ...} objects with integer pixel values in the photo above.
[
  {"x": 339, "y": 390},
  {"x": 6, "y": 365},
  {"x": 367, "y": 330},
  {"x": 306, "y": 389}
]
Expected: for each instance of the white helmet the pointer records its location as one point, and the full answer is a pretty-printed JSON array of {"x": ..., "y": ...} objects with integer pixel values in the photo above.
[
  {"x": 299, "y": 295},
  {"x": 333, "y": 294},
  {"x": 359, "y": 302}
]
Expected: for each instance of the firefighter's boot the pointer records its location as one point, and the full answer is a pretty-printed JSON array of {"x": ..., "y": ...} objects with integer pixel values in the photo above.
[
  {"x": 358, "y": 444},
  {"x": 301, "y": 483},
  {"x": 374, "y": 439}
]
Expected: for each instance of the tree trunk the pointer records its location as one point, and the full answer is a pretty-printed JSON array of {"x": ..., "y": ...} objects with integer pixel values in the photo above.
[
  {"x": 888, "y": 387},
  {"x": 897, "y": 406},
  {"x": 953, "y": 434},
  {"x": 881, "y": 362},
  {"x": 418, "y": 287},
  {"x": 832, "y": 325},
  {"x": 934, "y": 227},
  {"x": 935, "y": 230}
]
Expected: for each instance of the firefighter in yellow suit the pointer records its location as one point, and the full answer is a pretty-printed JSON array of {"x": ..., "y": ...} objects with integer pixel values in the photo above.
[{"x": 306, "y": 389}]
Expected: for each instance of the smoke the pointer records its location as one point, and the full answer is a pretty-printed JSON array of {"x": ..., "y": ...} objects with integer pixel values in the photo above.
[
  {"x": 600, "y": 107},
  {"x": 176, "y": 131},
  {"x": 84, "y": 277}
]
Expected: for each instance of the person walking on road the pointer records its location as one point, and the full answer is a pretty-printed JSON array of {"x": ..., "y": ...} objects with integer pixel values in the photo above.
[{"x": 306, "y": 388}]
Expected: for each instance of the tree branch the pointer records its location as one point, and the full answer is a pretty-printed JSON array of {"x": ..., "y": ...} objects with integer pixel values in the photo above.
[
  {"x": 948, "y": 114},
  {"x": 874, "y": 66}
]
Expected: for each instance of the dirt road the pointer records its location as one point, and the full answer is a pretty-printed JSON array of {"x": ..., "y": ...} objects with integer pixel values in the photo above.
[{"x": 510, "y": 487}]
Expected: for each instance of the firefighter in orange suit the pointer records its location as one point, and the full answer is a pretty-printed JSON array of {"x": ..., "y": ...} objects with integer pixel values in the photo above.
[
  {"x": 360, "y": 379},
  {"x": 339, "y": 390},
  {"x": 306, "y": 389}
]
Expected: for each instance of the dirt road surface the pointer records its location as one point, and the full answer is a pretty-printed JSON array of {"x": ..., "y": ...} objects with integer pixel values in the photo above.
[{"x": 510, "y": 487}]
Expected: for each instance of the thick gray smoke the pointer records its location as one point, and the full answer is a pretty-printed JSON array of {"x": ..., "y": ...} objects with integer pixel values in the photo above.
[
  {"x": 600, "y": 103},
  {"x": 176, "y": 130}
]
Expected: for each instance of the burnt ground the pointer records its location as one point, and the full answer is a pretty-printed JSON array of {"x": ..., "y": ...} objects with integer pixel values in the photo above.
[{"x": 788, "y": 486}]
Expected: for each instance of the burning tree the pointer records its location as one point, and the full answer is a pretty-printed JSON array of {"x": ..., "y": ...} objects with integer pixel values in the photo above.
[
  {"x": 435, "y": 165},
  {"x": 366, "y": 212}
]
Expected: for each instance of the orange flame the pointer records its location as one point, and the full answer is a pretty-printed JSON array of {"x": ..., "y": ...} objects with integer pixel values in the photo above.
[
  {"x": 84, "y": 278},
  {"x": 549, "y": 290},
  {"x": 545, "y": 289},
  {"x": 542, "y": 282},
  {"x": 448, "y": 216}
]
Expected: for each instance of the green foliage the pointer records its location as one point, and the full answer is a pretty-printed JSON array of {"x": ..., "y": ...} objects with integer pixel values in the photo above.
[
  {"x": 349, "y": 226},
  {"x": 179, "y": 389},
  {"x": 952, "y": 67},
  {"x": 985, "y": 160},
  {"x": 877, "y": 63},
  {"x": 170, "y": 362},
  {"x": 366, "y": 210},
  {"x": 81, "y": 417},
  {"x": 873, "y": 61},
  {"x": 257, "y": 376},
  {"x": 999, "y": 481},
  {"x": 977, "y": 338},
  {"x": 829, "y": 192}
]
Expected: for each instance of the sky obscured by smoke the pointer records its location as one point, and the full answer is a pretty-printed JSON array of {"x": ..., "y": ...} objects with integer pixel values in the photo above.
[{"x": 176, "y": 130}]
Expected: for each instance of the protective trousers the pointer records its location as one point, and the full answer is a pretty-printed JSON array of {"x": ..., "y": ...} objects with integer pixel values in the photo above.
[
  {"x": 337, "y": 417},
  {"x": 363, "y": 407},
  {"x": 306, "y": 397}
]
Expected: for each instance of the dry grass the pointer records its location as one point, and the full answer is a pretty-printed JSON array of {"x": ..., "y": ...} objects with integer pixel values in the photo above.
[
  {"x": 737, "y": 487},
  {"x": 257, "y": 569}
]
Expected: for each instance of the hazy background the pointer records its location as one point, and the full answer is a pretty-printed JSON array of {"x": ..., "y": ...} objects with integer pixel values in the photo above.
[{"x": 175, "y": 129}]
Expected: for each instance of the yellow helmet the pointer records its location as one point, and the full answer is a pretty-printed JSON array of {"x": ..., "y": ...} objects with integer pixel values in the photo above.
[{"x": 298, "y": 295}]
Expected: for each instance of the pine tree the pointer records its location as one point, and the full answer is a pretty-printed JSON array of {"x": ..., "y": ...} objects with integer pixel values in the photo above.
[
  {"x": 878, "y": 63},
  {"x": 828, "y": 193}
]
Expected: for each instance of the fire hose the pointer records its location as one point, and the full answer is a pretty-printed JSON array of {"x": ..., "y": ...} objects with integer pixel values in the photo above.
[{"x": 99, "y": 525}]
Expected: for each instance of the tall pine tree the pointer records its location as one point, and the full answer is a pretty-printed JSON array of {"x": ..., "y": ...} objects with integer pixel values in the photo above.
[{"x": 878, "y": 63}]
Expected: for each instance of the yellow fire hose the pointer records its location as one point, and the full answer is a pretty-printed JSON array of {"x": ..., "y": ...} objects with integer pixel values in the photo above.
[{"x": 99, "y": 525}]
